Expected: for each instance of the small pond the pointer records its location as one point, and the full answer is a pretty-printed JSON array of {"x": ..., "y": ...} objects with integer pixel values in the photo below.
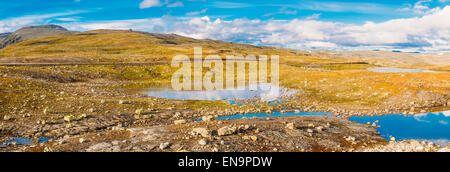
[
  {"x": 274, "y": 114},
  {"x": 24, "y": 141},
  {"x": 265, "y": 92},
  {"x": 434, "y": 127}
]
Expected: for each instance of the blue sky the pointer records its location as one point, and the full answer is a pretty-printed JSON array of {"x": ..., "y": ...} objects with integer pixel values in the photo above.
[{"x": 302, "y": 24}]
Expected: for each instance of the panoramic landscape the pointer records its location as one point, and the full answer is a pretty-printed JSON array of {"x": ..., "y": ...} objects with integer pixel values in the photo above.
[{"x": 69, "y": 85}]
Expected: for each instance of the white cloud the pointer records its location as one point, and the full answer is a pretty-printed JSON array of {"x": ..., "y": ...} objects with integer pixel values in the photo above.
[
  {"x": 12, "y": 24},
  {"x": 150, "y": 3},
  {"x": 422, "y": 7},
  {"x": 68, "y": 19},
  {"x": 193, "y": 13},
  {"x": 430, "y": 32},
  {"x": 283, "y": 10},
  {"x": 313, "y": 17},
  {"x": 176, "y": 4}
]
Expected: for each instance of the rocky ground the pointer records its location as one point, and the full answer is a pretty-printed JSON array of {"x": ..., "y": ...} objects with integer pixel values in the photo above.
[
  {"x": 98, "y": 109},
  {"x": 289, "y": 134}
]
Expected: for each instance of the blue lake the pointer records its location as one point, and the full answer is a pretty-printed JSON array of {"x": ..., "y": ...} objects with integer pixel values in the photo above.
[
  {"x": 433, "y": 127},
  {"x": 264, "y": 92}
]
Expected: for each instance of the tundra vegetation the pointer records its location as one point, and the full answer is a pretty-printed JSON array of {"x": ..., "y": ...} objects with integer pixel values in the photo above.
[{"x": 96, "y": 93}]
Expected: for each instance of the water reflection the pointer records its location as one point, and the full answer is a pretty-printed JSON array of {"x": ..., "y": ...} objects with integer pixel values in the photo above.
[
  {"x": 264, "y": 92},
  {"x": 432, "y": 127},
  {"x": 24, "y": 141},
  {"x": 428, "y": 126}
]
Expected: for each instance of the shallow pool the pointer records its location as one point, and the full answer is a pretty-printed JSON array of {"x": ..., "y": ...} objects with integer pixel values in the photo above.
[
  {"x": 274, "y": 114},
  {"x": 24, "y": 141},
  {"x": 433, "y": 127},
  {"x": 264, "y": 92}
]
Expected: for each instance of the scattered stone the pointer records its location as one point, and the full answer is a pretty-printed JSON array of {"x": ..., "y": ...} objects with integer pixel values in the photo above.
[
  {"x": 202, "y": 131},
  {"x": 177, "y": 115},
  {"x": 42, "y": 122},
  {"x": 47, "y": 110},
  {"x": 101, "y": 147},
  {"x": 207, "y": 118},
  {"x": 291, "y": 126},
  {"x": 7, "y": 118},
  {"x": 202, "y": 142},
  {"x": 82, "y": 140},
  {"x": 350, "y": 138},
  {"x": 319, "y": 129},
  {"x": 62, "y": 142},
  {"x": 177, "y": 122},
  {"x": 82, "y": 116},
  {"x": 140, "y": 111},
  {"x": 68, "y": 118},
  {"x": 225, "y": 131},
  {"x": 163, "y": 146}
]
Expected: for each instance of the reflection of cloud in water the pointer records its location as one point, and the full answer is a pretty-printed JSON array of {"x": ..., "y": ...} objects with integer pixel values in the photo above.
[
  {"x": 424, "y": 117},
  {"x": 265, "y": 92},
  {"x": 441, "y": 142},
  {"x": 428, "y": 126},
  {"x": 443, "y": 122}
]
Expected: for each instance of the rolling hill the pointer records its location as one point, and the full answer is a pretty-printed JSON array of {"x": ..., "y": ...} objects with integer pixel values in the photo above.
[{"x": 31, "y": 32}]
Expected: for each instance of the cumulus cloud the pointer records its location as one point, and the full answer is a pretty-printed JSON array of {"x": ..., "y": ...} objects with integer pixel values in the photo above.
[
  {"x": 157, "y": 3},
  {"x": 176, "y": 4},
  {"x": 193, "y": 13},
  {"x": 150, "y": 3},
  {"x": 422, "y": 7},
  {"x": 283, "y": 10},
  {"x": 430, "y": 32}
]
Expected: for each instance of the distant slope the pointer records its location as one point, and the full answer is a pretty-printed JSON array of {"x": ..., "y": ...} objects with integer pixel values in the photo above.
[
  {"x": 129, "y": 46},
  {"x": 4, "y": 36},
  {"x": 31, "y": 32},
  {"x": 398, "y": 59}
]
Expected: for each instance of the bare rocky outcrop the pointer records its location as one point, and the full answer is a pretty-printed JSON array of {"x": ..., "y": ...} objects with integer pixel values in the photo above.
[{"x": 407, "y": 146}]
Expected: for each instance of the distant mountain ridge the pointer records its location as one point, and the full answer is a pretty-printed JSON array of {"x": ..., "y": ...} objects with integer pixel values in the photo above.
[
  {"x": 31, "y": 32},
  {"x": 4, "y": 36}
]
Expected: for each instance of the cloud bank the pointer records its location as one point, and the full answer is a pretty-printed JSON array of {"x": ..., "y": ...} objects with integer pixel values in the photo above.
[{"x": 428, "y": 33}]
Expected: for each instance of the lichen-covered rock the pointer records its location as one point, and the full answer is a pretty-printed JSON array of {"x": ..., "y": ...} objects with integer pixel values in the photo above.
[
  {"x": 202, "y": 131},
  {"x": 225, "y": 131}
]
